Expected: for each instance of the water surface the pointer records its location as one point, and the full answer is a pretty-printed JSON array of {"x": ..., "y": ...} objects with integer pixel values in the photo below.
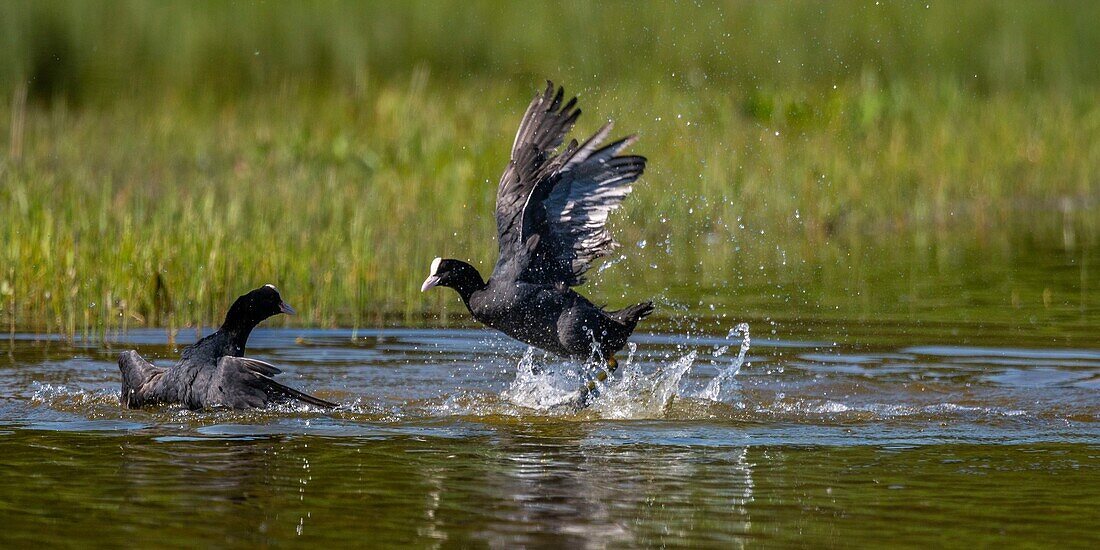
[{"x": 460, "y": 436}]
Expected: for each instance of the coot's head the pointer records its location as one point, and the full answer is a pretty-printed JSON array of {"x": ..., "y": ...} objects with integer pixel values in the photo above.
[
  {"x": 256, "y": 306},
  {"x": 456, "y": 274}
]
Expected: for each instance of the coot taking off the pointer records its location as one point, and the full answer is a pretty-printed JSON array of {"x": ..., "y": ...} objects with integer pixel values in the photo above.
[
  {"x": 551, "y": 212},
  {"x": 213, "y": 372}
]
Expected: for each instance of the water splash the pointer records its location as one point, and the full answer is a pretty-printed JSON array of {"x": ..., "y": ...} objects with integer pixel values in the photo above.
[
  {"x": 641, "y": 395},
  {"x": 632, "y": 392},
  {"x": 545, "y": 387},
  {"x": 713, "y": 391},
  {"x": 63, "y": 397}
]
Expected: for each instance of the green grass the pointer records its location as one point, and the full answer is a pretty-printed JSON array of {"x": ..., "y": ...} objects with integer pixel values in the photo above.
[
  {"x": 95, "y": 50},
  {"x": 806, "y": 160}
]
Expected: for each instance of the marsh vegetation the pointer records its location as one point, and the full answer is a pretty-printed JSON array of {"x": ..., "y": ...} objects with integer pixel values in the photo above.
[{"x": 807, "y": 161}]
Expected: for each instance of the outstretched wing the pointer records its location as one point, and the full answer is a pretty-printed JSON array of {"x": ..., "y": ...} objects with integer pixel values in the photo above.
[
  {"x": 541, "y": 131},
  {"x": 240, "y": 382},
  {"x": 552, "y": 209},
  {"x": 569, "y": 211},
  {"x": 140, "y": 380}
]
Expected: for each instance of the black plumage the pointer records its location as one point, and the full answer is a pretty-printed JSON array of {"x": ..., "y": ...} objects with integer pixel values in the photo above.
[
  {"x": 551, "y": 214},
  {"x": 213, "y": 372}
]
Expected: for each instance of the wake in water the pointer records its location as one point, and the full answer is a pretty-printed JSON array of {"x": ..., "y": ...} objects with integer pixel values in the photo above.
[{"x": 632, "y": 392}]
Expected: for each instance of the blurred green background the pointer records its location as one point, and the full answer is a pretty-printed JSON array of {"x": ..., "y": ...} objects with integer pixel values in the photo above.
[{"x": 918, "y": 163}]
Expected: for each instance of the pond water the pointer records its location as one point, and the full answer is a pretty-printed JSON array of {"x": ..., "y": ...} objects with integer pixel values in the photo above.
[{"x": 455, "y": 436}]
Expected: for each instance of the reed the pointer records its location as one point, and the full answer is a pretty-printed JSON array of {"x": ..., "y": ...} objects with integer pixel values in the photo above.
[{"x": 155, "y": 172}]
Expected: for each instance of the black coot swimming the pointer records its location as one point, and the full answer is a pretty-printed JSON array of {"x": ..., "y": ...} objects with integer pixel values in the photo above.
[
  {"x": 213, "y": 372},
  {"x": 551, "y": 212}
]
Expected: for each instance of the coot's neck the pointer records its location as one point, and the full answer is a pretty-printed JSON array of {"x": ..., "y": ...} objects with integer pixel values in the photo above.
[
  {"x": 467, "y": 282},
  {"x": 238, "y": 331}
]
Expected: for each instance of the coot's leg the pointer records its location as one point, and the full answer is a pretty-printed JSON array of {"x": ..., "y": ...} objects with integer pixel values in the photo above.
[
  {"x": 591, "y": 389},
  {"x": 602, "y": 374}
]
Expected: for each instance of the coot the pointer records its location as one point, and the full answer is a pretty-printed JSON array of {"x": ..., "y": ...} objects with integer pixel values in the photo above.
[
  {"x": 213, "y": 372},
  {"x": 551, "y": 211}
]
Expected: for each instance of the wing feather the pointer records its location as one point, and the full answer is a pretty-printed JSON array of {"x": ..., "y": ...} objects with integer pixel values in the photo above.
[
  {"x": 552, "y": 209},
  {"x": 240, "y": 382},
  {"x": 542, "y": 130},
  {"x": 140, "y": 380}
]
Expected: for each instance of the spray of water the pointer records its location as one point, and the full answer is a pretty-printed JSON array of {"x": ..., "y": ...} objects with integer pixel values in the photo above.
[
  {"x": 713, "y": 391},
  {"x": 545, "y": 387},
  {"x": 643, "y": 395},
  {"x": 636, "y": 391}
]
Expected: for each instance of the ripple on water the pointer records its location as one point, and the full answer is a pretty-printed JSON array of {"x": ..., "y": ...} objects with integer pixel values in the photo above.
[{"x": 402, "y": 378}]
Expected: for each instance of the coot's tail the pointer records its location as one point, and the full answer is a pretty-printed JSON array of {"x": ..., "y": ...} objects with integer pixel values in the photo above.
[
  {"x": 139, "y": 380},
  {"x": 630, "y": 315}
]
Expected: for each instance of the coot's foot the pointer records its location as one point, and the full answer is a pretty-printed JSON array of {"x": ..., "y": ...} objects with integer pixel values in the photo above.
[{"x": 591, "y": 390}]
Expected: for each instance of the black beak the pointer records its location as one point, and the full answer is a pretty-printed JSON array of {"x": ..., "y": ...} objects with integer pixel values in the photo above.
[{"x": 285, "y": 308}]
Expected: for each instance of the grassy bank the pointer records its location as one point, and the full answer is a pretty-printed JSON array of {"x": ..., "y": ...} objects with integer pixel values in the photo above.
[
  {"x": 848, "y": 162},
  {"x": 97, "y": 50}
]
